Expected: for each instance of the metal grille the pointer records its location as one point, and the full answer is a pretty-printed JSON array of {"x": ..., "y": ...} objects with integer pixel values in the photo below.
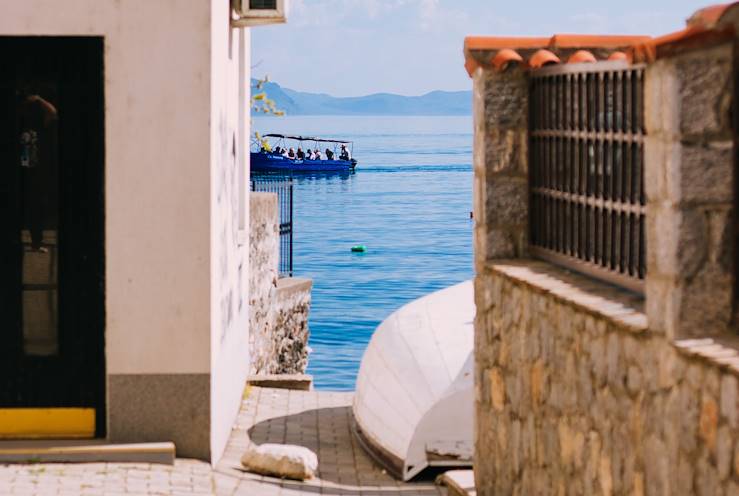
[
  {"x": 587, "y": 169},
  {"x": 284, "y": 190}
]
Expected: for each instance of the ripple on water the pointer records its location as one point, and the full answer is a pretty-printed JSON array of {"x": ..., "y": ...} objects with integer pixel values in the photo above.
[{"x": 409, "y": 203}]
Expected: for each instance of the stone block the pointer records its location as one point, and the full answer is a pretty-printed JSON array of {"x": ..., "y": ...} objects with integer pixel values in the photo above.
[
  {"x": 479, "y": 86},
  {"x": 507, "y": 201},
  {"x": 705, "y": 304},
  {"x": 691, "y": 242},
  {"x": 705, "y": 90},
  {"x": 497, "y": 389},
  {"x": 506, "y": 100},
  {"x": 708, "y": 422},
  {"x": 506, "y": 152},
  {"x": 723, "y": 452},
  {"x": 659, "y": 156},
  {"x": 479, "y": 199},
  {"x": 721, "y": 228},
  {"x": 678, "y": 240},
  {"x": 704, "y": 173},
  {"x": 662, "y": 222},
  {"x": 730, "y": 399},
  {"x": 663, "y": 301},
  {"x": 499, "y": 243},
  {"x": 281, "y": 460},
  {"x": 458, "y": 482},
  {"x": 661, "y": 104}
]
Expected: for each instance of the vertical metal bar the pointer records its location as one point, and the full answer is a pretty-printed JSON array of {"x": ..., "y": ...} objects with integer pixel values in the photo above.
[{"x": 291, "y": 227}]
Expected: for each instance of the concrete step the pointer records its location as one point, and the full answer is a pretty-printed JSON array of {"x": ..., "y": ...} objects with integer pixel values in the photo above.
[
  {"x": 85, "y": 452},
  {"x": 458, "y": 482},
  {"x": 301, "y": 382}
]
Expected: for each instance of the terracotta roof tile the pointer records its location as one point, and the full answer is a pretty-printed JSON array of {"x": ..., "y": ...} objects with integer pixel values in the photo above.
[
  {"x": 541, "y": 51},
  {"x": 680, "y": 41},
  {"x": 541, "y": 58},
  {"x": 581, "y": 56},
  {"x": 497, "y": 42},
  {"x": 708, "y": 17},
  {"x": 618, "y": 56},
  {"x": 593, "y": 41},
  {"x": 505, "y": 57},
  {"x": 706, "y": 27}
]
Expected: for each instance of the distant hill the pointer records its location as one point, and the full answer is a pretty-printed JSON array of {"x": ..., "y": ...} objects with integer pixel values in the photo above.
[{"x": 434, "y": 103}]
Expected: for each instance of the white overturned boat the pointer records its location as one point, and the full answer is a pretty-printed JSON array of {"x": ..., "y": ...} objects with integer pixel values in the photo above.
[{"x": 415, "y": 394}]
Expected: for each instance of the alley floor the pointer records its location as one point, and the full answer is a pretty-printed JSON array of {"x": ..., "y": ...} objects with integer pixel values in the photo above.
[{"x": 317, "y": 420}]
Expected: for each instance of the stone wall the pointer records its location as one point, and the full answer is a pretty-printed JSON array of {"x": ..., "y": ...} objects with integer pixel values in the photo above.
[
  {"x": 582, "y": 388},
  {"x": 290, "y": 334},
  {"x": 576, "y": 396},
  {"x": 501, "y": 188},
  {"x": 689, "y": 182},
  {"x": 279, "y": 308},
  {"x": 264, "y": 239}
]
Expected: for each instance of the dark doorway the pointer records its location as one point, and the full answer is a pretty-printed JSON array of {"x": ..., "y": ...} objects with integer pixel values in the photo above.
[{"x": 52, "y": 230}]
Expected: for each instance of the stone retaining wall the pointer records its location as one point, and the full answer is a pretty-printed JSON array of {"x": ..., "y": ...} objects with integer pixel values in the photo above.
[
  {"x": 290, "y": 332},
  {"x": 279, "y": 308},
  {"x": 576, "y": 396}
]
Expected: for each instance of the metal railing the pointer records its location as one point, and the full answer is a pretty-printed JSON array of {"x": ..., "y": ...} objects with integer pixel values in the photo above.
[
  {"x": 586, "y": 132},
  {"x": 283, "y": 187}
]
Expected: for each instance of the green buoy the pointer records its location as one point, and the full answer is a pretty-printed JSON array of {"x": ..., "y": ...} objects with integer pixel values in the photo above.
[{"x": 359, "y": 248}]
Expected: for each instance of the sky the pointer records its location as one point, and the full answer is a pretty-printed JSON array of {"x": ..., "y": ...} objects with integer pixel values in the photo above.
[{"x": 411, "y": 47}]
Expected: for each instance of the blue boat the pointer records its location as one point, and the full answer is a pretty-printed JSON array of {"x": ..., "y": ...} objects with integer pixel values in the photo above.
[{"x": 272, "y": 158}]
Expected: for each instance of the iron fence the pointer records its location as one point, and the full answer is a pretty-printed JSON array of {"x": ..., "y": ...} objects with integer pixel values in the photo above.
[
  {"x": 586, "y": 126},
  {"x": 283, "y": 187}
]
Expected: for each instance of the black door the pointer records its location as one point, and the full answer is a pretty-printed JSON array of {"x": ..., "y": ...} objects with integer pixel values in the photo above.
[{"x": 52, "y": 225}]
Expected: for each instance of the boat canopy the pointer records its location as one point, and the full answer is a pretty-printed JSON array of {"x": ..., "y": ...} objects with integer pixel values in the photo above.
[
  {"x": 303, "y": 138},
  {"x": 414, "y": 403}
]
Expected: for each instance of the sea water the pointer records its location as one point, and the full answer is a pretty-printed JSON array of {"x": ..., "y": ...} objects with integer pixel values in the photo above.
[{"x": 408, "y": 202}]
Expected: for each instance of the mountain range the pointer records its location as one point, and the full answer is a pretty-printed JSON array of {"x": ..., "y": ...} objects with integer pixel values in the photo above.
[{"x": 302, "y": 103}]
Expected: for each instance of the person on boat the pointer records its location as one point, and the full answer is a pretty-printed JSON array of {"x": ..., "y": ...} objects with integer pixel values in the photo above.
[
  {"x": 278, "y": 150},
  {"x": 345, "y": 154},
  {"x": 300, "y": 154},
  {"x": 318, "y": 154},
  {"x": 291, "y": 153},
  {"x": 329, "y": 154},
  {"x": 309, "y": 154}
]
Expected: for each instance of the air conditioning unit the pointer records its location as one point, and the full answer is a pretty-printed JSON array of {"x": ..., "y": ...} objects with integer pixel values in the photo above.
[{"x": 258, "y": 12}]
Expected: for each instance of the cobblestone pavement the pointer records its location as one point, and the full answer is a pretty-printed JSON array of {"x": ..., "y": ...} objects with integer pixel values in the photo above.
[{"x": 320, "y": 421}]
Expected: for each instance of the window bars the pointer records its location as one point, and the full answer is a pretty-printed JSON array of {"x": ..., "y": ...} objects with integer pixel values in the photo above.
[
  {"x": 283, "y": 187},
  {"x": 586, "y": 160}
]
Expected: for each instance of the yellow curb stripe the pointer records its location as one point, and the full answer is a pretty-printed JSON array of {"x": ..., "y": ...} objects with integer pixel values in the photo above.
[{"x": 48, "y": 423}]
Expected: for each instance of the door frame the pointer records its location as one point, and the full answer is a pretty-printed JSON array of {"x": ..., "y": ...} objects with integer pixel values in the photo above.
[{"x": 80, "y": 412}]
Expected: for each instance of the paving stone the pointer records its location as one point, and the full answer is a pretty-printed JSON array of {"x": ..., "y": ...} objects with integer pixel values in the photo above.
[{"x": 318, "y": 420}]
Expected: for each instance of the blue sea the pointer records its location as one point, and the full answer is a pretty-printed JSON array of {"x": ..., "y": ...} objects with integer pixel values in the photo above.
[{"x": 409, "y": 203}]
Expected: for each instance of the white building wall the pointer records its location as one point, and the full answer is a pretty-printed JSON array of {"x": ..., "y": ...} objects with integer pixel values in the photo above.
[
  {"x": 229, "y": 345},
  {"x": 176, "y": 275},
  {"x": 157, "y": 113}
]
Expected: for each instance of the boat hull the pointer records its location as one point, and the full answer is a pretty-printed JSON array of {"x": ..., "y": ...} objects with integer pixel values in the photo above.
[
  {"x": 265, "y": 162},
  {"x": 414, "y": 402}
]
